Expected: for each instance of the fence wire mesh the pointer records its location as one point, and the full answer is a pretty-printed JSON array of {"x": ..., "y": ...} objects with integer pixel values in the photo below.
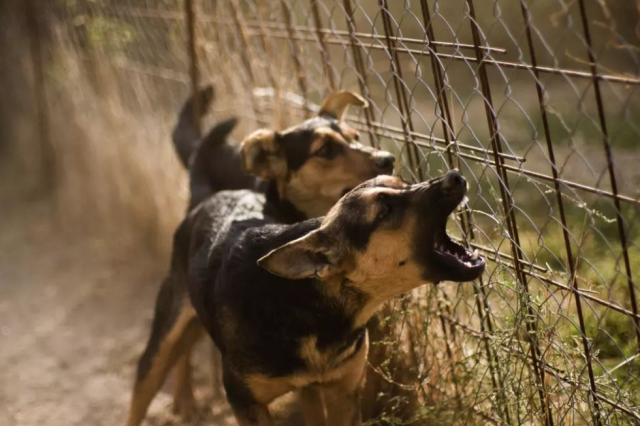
[{"x": 536, "y": 102}]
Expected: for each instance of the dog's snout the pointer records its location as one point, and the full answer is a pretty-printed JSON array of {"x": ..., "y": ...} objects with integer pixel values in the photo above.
[
  {"x": 385, "y": 161},
  {"x": 453, "y": 180}
]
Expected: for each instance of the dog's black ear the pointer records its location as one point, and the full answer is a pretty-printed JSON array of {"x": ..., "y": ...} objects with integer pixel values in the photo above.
[
  {"x": 306, "y": 257},
  {"x": 262, "y": 156},
  {"x": 336, "y": 105}
]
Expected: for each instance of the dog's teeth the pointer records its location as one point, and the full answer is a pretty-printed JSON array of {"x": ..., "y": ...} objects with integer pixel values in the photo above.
[{"x": 475, "y": 255}]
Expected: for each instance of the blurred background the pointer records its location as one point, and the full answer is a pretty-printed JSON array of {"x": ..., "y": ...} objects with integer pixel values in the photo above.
[{"x": 535, "y": 101}]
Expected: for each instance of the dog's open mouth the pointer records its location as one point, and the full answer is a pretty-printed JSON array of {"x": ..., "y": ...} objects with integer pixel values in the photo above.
[{"x": 457, "y": 257}]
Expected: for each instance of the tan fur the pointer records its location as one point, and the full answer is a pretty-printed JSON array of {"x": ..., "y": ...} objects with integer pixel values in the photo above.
[
  {"x": 179, "y": 340},
  {"x": 184, "y": 403},
  {"x": 260, "y": 155},
  {"x": 336, "y": 104},
  {"x": 313, "y": 190},
  {"x": 321, "y": 361},
  {"x": 320, "y": 183},
  {"x": 349, "y": 132},
  {"x": 386, "y": 269},
  {"x": 342, "y": 397},
  {"x": 313, "y": 406},
  {"x": 338, "y": 383}
]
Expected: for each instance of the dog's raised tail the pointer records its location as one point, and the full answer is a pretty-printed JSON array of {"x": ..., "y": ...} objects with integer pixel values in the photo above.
[
  {"x": 186, "y": 139},
  {"x": 217, "y": 165}
]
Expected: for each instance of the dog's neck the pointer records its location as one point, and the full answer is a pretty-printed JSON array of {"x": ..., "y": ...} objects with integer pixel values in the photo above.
[
  {"x": 311, "y": 204},
  {"x": 357, "y": 305},
  {"x": 281, "y": 208},
  {"x": 308, "y": 204}
]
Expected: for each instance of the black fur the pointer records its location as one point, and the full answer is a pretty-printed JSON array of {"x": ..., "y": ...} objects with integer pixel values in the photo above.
[
  {"x": 166, "y": 313},
  {"x": 216, "y": 248},
  {"x": 217, "y": 166},
  {"x": 185, "y": 134},
  {"x": 169, "y": 301},
  {"x": 272, "y": 314},
  {"x": 214, "y": 164}
]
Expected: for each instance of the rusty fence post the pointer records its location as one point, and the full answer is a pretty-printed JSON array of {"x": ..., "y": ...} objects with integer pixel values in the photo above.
[
  {"x": 192, "y": 50},
  {"x": 572, "y": 263},
  {"x": 446, "y": 118},
  {"x": 510, "y": 217},
  {"x": 401, "y": 94},
  {"x": 324, "y": 52},
  {"x": 301, "y": 74},
  {"x": 610, "y": 167},
  {"x": 363, "y": 82}
]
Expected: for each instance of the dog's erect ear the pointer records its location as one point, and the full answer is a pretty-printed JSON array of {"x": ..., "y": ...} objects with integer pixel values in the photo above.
[
  {"x": 336, "y": 105},
  {"x": 307, "y": 257},
  {"x": 262, "y": 156}
]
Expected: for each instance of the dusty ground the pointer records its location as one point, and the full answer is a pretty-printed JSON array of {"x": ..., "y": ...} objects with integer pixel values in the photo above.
[{"x": 74, "y": 317}]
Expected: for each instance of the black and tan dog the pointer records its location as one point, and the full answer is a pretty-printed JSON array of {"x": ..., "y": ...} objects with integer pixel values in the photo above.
[
  {"x": 303, "y": 170},
  {"x": 312, "y": 164},
  {"x": 288, "y": 304}
]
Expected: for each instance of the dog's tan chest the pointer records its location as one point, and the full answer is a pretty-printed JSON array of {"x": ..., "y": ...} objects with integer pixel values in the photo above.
[{"x": 324, "y": 367}]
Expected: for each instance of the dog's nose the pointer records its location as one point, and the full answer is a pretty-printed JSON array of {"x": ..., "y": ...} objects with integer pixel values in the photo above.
[
  {"x": 385, "y": 161},
  {"x": 453, "y": 179}
]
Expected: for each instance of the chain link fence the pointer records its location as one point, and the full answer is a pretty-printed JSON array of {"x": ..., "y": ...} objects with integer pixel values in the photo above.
[{"x": 535, "y": 101}]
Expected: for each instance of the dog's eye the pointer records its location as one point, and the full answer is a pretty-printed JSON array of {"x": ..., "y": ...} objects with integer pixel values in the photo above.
[
  {"x": 385, "y": 207},
  {"x": 328, "y": 150},
  {"x": 384, "y": 212}
]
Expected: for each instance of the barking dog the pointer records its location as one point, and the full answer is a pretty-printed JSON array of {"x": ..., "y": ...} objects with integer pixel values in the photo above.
[
  {"x": 288, "y": 304},
  {"x": 304, "y": 171}
]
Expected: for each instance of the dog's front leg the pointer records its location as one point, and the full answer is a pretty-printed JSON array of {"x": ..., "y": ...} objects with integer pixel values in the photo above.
[
  {"x": 342, "y": 398},
  {"x": 249, "y": 411},
  {"x": 313, "y": 407},
  {"x": 343, "y": 406}
]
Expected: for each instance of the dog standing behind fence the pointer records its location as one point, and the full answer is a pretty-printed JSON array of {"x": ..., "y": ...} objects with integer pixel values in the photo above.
[
  {"x": 288, "y": 304},
  {"x": 307, "y": 167}
]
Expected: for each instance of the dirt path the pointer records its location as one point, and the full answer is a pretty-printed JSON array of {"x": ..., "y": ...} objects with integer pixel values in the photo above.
[{"x": 73, "y": 319}]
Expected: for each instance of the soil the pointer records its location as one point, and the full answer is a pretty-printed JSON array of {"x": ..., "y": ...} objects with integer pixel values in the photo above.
[{"x": 74, "y": 318}]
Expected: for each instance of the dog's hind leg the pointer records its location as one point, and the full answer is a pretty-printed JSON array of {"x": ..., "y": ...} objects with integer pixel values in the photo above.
[
  {"x": 174, "y": 332},
  {"x": 184, "y": 403}
]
